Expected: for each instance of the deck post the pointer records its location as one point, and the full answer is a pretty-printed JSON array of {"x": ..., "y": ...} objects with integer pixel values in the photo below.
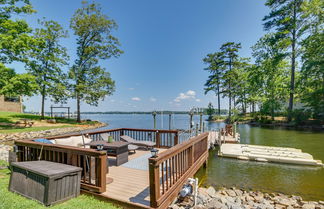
[
  {"x": 101, "y": 165},
  {"x": 121, "y": 132},
  {"x": 154, "y": 183},
  {"x": 176, "y": 139}
]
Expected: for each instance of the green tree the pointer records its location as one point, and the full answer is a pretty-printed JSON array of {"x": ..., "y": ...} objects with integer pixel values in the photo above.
[
  {"x": 230, "y": 52},
  {"x": 13, "y": 84},
  {"x": 95, "y": 42},
  {"x": 15, "y": 41},
  {"x": 272, "y": 72},
  {"x": 240, "y": 83},
  {"x": 47, "y": 58},
  {"x": 286, "y": 18},
  {"x": 215, "y": 67},
  {"x": 210, "y": 111},
  {"x": 312, "y": 72},
  {"x": 15, "y": 38}
]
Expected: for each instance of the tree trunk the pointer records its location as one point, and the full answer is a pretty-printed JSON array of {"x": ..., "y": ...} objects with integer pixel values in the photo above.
[
  {"x": 218, "y": 98},
  {"x": 78, "y": 109},
  {"x": 293, "y": 59},
  {"x": 43, "y": 102},
  {"x": 229, "y": 103}
]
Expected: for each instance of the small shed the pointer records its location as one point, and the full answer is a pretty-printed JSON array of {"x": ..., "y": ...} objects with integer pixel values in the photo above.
[{"x": 46, "y": 182}]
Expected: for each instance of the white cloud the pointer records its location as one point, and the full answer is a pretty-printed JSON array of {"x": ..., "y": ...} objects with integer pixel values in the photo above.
[
  {"x": 188, "y": 95},
  {"x": 131, "y": 89},
  {"x": 136, "y": 99},
  {"x": 152, "y": 99},
  {"x": 191, "y": 93},
  {"x": 198, "y": 100}
]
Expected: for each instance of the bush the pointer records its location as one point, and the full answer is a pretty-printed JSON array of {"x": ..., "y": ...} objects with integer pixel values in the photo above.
[{"x": 301, "y": 116}]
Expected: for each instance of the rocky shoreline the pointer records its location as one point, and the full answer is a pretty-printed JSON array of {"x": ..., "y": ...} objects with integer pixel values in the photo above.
[
  {"x": 6, "y": 140},
  {"x": 47, "y": 133},
  {"x": 233, "y": 198}
]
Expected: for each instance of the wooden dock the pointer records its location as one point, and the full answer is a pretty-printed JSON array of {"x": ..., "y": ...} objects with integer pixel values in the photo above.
[
  {"x": 154, "y": 182},
  {"x": 129, "y": 185}
]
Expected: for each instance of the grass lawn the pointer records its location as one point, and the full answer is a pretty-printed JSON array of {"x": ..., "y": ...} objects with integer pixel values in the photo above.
[
  {"x": 8, "y": 120},
  {"x": 9, "y": 200}
]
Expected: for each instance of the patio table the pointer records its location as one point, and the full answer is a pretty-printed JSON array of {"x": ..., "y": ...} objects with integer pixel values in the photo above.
[{"x": 116, "y": 149}]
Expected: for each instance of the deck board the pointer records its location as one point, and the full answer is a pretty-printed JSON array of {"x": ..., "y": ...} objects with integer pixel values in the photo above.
[{"x": 129, "y": 185}]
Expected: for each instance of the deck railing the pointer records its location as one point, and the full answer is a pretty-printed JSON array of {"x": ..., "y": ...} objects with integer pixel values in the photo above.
[
  {"x": 171, "y": 169},
  {"x": 162, "y": 138},
  {"x": 92, "y": 162}
]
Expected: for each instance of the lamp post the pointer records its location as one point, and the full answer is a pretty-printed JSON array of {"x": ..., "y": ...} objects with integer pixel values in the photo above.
[
  {"x": 191, "y": 113},
  {"x": 154, "y": 152},
  {"x": 201, "y": 114},
  {"x": 154, "y": 119}
]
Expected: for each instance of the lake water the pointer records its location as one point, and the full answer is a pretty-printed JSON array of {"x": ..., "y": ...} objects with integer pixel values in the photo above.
[{"x": 305, "y": 181}]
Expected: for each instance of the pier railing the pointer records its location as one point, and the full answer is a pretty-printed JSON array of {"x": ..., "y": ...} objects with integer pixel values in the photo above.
[
  {"x": 92, "y": 162},
  {"x": 171, "y": 169}
]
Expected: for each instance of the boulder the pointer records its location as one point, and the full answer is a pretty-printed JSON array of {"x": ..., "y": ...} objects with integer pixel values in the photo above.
[
  {"x": 211, "y": 192},
  {"x": 308, "y": 206},
  {"x": 215, "y": 204},
  {"x": 231, "y": 193}
]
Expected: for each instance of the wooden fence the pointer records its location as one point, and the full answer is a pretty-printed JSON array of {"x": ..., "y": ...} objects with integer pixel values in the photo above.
[
  {"x": 171, "y": 169},
  {"x": 92, "y": 162}
]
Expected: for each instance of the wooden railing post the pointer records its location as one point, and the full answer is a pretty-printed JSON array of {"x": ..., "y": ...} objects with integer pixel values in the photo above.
[
  {"x": 101, "y": 166},
  {"x": 158, "y": 139},
  {"x": 121, "y": 132},
  {"x": 176, "y": 139},
  {"x": 154, "y": 176},
  {"x": 191, "y": 155}
]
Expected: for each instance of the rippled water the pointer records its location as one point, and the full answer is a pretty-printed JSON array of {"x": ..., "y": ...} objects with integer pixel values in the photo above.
[{"x": 305, "y": 181}]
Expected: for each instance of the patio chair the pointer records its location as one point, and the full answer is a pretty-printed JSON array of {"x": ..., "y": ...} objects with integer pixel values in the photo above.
[
  {"x": 146, "y": 144},
  {"x": 104, "y": 136},
  {"x": 132, "y": 148}
]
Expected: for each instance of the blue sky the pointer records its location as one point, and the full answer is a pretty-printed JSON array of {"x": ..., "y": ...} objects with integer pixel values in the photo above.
[{"x": 164, "y": 44}]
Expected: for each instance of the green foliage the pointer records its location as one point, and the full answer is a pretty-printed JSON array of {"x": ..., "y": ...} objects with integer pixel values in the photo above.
[
  {"x": 286, "y": 17},
  {"x": 210, "y": 110},
  {"x": 215, "y": 62},
  {"x": 300, "y": 116},
  {"x": 312, "y": 73},
  {"x": 95, "y": 41},
  {"x": 47, "y": 58},
  {"x": 13, "y": 84},
  {"x": 15, "y": 38},
  {"x": 271, "y": 74}
]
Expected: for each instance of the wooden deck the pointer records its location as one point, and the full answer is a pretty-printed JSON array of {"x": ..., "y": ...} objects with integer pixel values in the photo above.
[
  {"x": 146, "y": 182},
  {"x": 129, "y": 185}
]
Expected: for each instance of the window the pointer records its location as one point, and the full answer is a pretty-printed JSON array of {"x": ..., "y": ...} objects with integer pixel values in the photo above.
[{"x": 11, "y": 99}]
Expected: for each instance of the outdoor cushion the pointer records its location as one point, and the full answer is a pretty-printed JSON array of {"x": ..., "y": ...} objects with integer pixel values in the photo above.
[
  {"x": 75, "y": 141},
  {"x": 46, "y": 141},
  {"x": 137, "y": 142}
]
